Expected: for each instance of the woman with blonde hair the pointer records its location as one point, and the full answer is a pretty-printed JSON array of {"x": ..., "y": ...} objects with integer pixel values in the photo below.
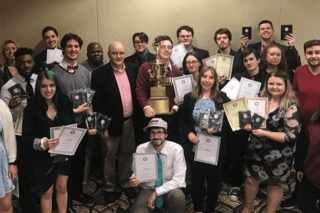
[
  {"x": 270, "y": 152},
  {"x": 7, "y": 65}
]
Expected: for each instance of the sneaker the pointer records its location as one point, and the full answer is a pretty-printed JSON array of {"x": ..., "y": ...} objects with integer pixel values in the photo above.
[
  {"x": 234, "y": 193},
  {"x": 289, "y": 203}
]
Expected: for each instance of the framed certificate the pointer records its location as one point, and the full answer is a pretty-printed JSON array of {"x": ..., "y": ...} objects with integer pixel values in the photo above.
[
  {"x": 231, "y": 88},
  {"x": 178, "y": 53},
  {"x": 224, "y": 64},
  {"x": 211, "y": 61},
  {"x": 259, "y": 106},
  {"x": 248, "y": 88},
  {"x": 145, "y": 166},
  {"x": 207, "y": 150},
  {"x": 69, "y": 140},
  {"x": 183, "y": 85},
  {"x": 232, "y": 109}
]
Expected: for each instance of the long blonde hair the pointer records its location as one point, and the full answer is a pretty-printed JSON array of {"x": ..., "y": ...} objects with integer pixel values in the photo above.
[
  {"x": 288, "y": 96},
  {"x": 3, "y": 59},
  {"x": 214, "y": 94}
]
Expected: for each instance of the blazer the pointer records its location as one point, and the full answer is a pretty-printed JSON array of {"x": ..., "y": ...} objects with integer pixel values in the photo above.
[
  {"x": 107, "y": 99},
  {"x": 203, "y": 53}
]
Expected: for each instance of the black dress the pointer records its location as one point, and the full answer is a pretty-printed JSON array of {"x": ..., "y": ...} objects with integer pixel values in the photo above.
[{"x": 37, "y": 125}]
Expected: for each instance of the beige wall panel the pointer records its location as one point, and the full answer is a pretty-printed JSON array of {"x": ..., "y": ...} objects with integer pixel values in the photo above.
[
  {"x": 305, "y": 16},
  {"x": 119, "y": 20},
  {"x": 24, "y": 20}
]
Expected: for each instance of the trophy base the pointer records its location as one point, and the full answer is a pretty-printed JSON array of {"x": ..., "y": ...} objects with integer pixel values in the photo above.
[{"x": 160, "y": 105}]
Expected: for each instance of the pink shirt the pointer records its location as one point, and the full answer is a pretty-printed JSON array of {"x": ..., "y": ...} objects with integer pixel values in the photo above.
[{"x": 125, "y": 90}]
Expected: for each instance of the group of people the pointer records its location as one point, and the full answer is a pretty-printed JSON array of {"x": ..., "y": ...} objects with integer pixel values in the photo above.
[{"x": 122, "y": 89}]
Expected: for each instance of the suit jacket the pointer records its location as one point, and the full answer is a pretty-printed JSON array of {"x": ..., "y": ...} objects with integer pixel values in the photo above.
[
  {"x": 39, "y": 60},
  {"x": 203, "y": 53},
  {"x": 107, "y": 99},
  {"x": 292, "y": 55},
  {"x": 135, "y": 59}
]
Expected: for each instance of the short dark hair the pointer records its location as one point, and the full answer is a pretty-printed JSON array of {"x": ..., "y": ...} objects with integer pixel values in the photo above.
[
  {"x": 143, "y": 37},
  {"x": 186, "y": 28},
  {"x": 222, "y": 31},
  {"x": 311, "y": 43},
  {"x": 265, "y": 22},
  {"x": 160, "y": 38},
  {"x": 184, "y": 62},
  {"x": 68, "y": 37},
  {"x": 23, "y": 51},
  {"x": 48, "y": 28},
  {"x": 248, "y": 51}
]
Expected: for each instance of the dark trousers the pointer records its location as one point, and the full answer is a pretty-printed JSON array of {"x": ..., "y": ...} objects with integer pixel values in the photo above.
[
  {"x": 308, "y": 197},
  {"x": 200, "y": 172},
  {"x": 25, "y": 174},
  {"x": 75, "y": 186}
]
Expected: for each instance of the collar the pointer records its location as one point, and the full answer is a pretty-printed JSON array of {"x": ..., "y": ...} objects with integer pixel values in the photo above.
[
  {"x": 191, "y": 49},
  {"x": 168, "y": 66},
  {"x": 118, "y": 71},
  {"x": 164, "y": 151},
  {"x": 220, "y": 52},
  {"x": 144, "y": 55},
  {"x": 22, "y": 79}
]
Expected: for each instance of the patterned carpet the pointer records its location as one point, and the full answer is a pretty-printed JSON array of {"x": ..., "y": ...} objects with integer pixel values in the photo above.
[{"x": 122, "y": 205}]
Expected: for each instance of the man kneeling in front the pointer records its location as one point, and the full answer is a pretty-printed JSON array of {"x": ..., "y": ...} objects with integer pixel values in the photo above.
[{"x": 165, "y": 192}]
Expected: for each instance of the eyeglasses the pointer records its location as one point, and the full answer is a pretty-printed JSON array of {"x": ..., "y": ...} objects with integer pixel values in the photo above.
[
  {"x": 185, "y": 36},
  {"x": 192, "y": 62},
  {"x": 156, "y": 133}
]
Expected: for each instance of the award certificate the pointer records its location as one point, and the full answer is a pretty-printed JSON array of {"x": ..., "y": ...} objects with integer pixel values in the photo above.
[
  {"x": 232, "y": 109},
  {"x": 145, "y": 166},
  {"x": 209, "y": 62},
  {"x": 178, "y": 53},
  {"x": 259, "y": 106},
  {"x": 183, "y": 85},
  {"x": 248, "y": 88},
  {"x": 224, "y": 64},
  {"x": 207, "y": 150},
  {"x": 69, "y": 139},
  {"x": 231, "y": 88}
]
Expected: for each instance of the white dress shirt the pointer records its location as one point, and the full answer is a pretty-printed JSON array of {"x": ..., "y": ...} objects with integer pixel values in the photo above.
[{"x": 173, "y": 167}]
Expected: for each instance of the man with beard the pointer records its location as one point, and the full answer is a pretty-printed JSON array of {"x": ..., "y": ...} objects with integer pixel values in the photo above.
[
  {"x": 171, "y": 172},
  {"x": 223, "y": 37},
  {"x": 266, "y": 34},
  {"x": 95, "y": 57},
  {"x": 27, "y": 79},
  {"x": 142, "y": 54},
  {"x": 305, "y": 83}
]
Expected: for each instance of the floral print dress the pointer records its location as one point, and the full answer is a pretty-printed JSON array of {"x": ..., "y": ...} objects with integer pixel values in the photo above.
[{"x": 271, "y": 161}]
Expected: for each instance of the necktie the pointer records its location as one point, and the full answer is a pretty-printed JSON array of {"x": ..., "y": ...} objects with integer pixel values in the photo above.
[
  {"x": 29, "y": 90},
  {"x": 159, "y": 201}
]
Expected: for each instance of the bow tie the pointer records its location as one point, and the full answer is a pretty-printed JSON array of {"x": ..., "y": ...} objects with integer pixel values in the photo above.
[{"x": 72, "y": 68}]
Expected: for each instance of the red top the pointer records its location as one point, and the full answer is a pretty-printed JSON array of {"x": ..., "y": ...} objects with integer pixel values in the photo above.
[
  {"x": 143, "y": 84},
  {"x": 308, "y": 87}
]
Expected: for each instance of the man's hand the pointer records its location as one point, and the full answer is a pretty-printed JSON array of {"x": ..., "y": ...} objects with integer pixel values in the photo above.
[
  {"x": 13, "y": 172},
  {"x": 14, "y": 101},
  {"x": 248, "y": 127},
  {"x": 222, "y": 79},
  {"x": 176, "y": 101},
  {"x": 152, "y": 200},
  {"x": 193, "y": 138},
  {"x": 259, "y": 132},
  {"x": 243, "y": 41},
  {"x": 134, "y": 181},
  {"x": 211, "y": 131},
  {"x": 149, "y": 112},
  {"x": 290, "y": 39},
  {"x": 83, "y": 107}
]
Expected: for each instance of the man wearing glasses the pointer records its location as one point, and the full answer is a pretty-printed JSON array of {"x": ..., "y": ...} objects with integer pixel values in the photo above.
[
  {"x": 171, "y": 172},
  {"x": 185, "y": 35},
  {"x": 142, "y": 54}
]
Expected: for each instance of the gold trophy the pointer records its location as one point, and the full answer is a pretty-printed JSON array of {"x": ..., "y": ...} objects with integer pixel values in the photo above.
[{"x": 158, "y": 99}]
